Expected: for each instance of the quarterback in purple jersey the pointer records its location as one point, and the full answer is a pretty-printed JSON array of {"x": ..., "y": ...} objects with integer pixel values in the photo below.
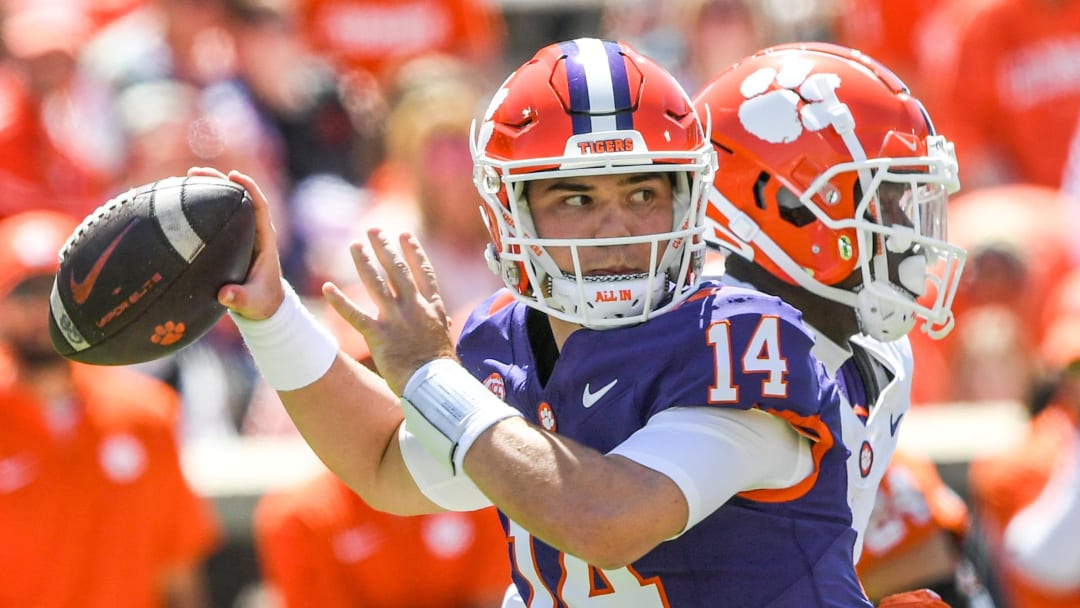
[
  {"x": 650, "y": 440},
  {"x": 723, "y": 347}
]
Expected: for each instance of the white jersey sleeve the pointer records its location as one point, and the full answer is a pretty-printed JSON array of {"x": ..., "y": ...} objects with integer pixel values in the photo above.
[
  {"x": 435, "y": 480},
  {"x": 686, "y": 443},
  {"x": 682, "y": 443}
]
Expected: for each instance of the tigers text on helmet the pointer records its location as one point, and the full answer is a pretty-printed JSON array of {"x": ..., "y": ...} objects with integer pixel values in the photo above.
[
  {"x": 828, "y": 167},
  {"x": 580, "y": 108}
]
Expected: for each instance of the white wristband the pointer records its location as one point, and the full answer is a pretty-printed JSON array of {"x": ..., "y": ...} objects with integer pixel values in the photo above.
[
  {"x": 446, "y": 408},
  {"x": 291, "y": 348}
]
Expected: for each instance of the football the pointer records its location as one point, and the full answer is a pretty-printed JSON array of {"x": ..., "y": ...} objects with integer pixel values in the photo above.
[{"x": 138, "y": 279}]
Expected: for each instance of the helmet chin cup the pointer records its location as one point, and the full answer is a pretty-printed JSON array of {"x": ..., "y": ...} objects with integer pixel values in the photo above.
[
  {"x": 599, "y": 301},
  {"x": 911, "y": 273},
  {"x": 882, "y": 318}
]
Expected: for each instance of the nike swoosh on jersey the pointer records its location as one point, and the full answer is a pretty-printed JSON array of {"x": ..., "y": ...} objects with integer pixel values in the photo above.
[
  {"x": 589, "y": 398},
  {"x": 894, "y": 423},
  {"x": 80, "y": 290}
]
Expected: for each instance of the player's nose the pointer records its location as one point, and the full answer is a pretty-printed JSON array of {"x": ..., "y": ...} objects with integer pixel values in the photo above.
[{"x": 613, "y": 220}]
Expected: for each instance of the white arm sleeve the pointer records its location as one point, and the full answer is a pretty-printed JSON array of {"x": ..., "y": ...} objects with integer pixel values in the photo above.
[
  {"x": 1042, "y": 538},
  {"x": 435, "y": 480},
  {"x": 714, "y": 453}
]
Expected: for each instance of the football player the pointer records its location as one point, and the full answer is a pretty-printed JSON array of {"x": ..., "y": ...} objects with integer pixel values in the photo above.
[
  {"x": 831, "y": 194},
  {"x": 649, "y": 439}
]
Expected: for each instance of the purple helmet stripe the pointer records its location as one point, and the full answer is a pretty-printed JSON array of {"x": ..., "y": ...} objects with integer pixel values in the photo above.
[
  {"x": 620, "y": 86},
  {"x": 598, "y": 85},
  {"x": 578, "y": 86}
]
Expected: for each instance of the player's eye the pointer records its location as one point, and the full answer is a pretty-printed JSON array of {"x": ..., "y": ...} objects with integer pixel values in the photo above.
[
  {"x": 576, "y": 200},
  {"x": 642, "y": 196}
]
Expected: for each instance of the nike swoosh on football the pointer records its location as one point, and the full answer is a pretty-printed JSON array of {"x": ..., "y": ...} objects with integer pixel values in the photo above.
[
  {"x": 894, "y": 424},
  {"x": 589, "y": 398},
  {"x": 80, "y": 290}
]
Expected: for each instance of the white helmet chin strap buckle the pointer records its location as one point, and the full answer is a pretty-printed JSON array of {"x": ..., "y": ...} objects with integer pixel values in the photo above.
[{"x": 878, "y": 317}]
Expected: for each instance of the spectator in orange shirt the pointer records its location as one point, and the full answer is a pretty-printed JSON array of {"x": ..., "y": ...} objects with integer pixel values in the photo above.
[
  {"x": 891, "y": 32},
  {"x": 94, "y": 508},
  {"x": 319, "y": 544},
  {"x": 104, "y": 12},
  {"x": 1028, "y": 497},
  {"x": 1005, "y": 87},
  {"x": 57, "y": 153},
  {"x": 378, "y": 36}
]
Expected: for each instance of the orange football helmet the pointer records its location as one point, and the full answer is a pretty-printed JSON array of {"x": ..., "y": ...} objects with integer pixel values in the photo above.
[
  {"x": 831, "y": 177},
  {"x": 588, "y": 107}
]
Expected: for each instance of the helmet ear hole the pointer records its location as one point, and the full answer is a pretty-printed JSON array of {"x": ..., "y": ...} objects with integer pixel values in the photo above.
[
  {"x": 791, "y": 208},
  {"x": 760, "y": 197},
  {"x": 788, "y": 206}
]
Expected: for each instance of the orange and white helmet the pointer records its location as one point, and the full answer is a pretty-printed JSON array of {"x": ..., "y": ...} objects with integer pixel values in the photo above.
[
  {"x": 828, "y": 167},
  {"x": 592, "y": 107}
]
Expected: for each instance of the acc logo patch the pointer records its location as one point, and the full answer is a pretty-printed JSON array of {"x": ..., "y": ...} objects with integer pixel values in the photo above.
[{"x": 496, "y": 385}]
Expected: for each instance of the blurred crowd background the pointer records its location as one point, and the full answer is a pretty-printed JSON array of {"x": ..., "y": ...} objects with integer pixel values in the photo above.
[{"x": 356, "y": 112}]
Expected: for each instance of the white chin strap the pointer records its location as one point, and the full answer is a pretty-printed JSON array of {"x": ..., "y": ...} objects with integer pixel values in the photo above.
[
  {"x": 601, "y": 301},
  {"x": 881, "y": 307}
]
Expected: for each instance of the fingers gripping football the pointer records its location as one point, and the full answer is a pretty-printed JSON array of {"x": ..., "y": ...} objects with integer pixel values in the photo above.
[
  {"x": 261, "y": 294},
  {"x": 410, "y": 326}
]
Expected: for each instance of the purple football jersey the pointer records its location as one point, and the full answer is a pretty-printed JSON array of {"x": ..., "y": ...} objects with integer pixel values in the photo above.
[{"x": 722, "y": 347}]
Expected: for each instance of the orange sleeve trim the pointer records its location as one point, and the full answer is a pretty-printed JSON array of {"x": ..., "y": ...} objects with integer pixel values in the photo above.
[
  {"x": 814, "y": 429},
  {"x": 501, "y": 301}
]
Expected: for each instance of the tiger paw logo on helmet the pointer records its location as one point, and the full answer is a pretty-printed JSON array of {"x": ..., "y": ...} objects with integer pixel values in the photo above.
[{"x": 780, "y": 105}]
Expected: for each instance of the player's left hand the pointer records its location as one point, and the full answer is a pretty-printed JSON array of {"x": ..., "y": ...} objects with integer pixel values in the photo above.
[{"x": 411, "y": 326}]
